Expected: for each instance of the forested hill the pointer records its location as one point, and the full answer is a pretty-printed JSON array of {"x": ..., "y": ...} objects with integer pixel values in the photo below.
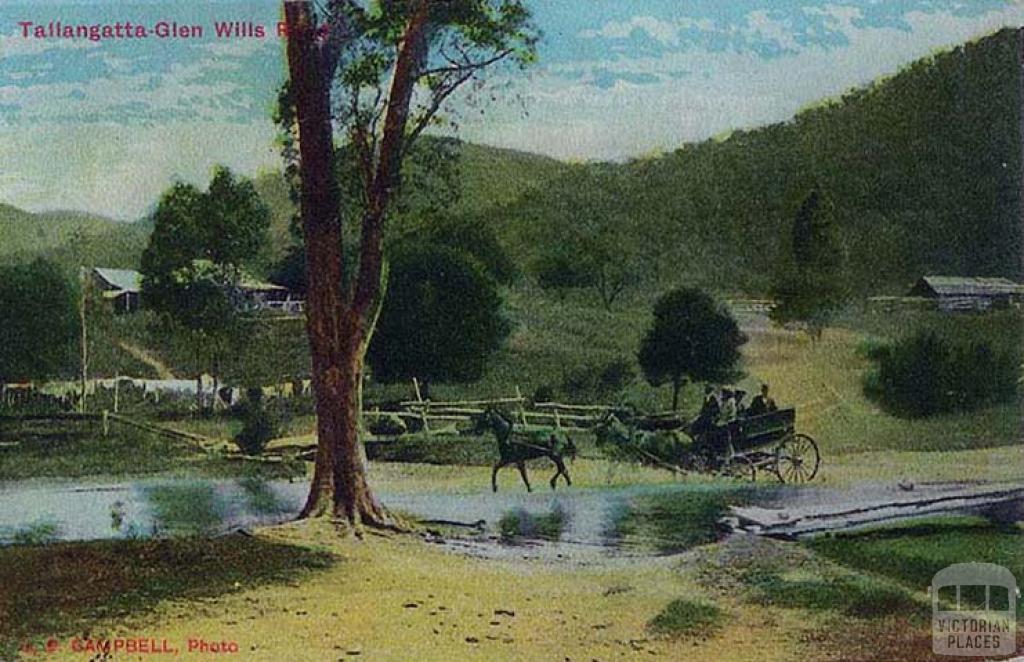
[
  {"x": 69, "y": 238},
  {"x": 923, "y": 168}
]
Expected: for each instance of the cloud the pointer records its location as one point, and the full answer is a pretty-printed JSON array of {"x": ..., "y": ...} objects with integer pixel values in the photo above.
[
  {"x": 14, "y": 45},
  {"x": 663, "y": 32}
]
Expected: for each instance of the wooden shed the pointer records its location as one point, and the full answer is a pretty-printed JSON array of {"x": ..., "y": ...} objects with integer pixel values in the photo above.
[{"x": 954, "y": 293}]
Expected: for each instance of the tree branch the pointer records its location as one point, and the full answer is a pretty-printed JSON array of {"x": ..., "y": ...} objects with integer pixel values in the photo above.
[{"x": 411, "y": 55}]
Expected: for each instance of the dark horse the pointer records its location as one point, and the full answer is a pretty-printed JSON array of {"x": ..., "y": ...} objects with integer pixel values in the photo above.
[{"x": 518, "y": 447}]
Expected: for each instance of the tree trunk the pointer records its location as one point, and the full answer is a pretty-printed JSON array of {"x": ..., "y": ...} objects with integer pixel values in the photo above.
[{"x": 337, "y": 335}]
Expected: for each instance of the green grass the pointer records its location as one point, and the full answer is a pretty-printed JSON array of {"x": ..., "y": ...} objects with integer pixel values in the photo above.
[
  {"x": 261, "y": 497},
  {"x": 849, "y": 594},
  {"x": 673, "y": 522},
  {"x": 74, "y": 449},
  {"x": 65, "y": 588},
  {"x": 519, "y": 523},
  {"x": 687, "y": 618},
  {"x": 425, "y": 449},
  {"x": 185, "y": 509},
  {"x": 911, "y": 554}
]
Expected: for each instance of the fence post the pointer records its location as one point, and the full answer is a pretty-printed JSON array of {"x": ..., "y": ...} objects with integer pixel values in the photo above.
[
  {"x": 422, "y": 406},
  {"x": 522, "y": 405},
  {"x": 106, "y": 423},
  {"x": 558, "y": 420}
]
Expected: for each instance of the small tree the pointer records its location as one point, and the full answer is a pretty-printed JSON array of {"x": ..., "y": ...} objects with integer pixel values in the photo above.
[
  {"x": 809, "y": 288},
  {"x": 441, "y": 320},
  {"x": 692, "y": 338},
  {"x": 40, "y": 329},
  {"x": 592, "y": 247}
]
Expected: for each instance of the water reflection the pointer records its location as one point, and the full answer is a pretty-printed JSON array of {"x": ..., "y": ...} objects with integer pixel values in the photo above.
[{"x": 647, "y": 519}]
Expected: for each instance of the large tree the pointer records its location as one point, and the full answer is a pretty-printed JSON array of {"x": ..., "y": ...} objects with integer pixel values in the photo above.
[
  {"x": 692, "y": 338},
  {"x": 377, "y": 74},
  {"x": 40, "y": 329},
  {"x": 200, "y": 246},
  {"x": 441, "y": 321}
]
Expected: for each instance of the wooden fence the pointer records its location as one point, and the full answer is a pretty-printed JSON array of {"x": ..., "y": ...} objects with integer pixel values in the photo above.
[{"x": 433, "y": 414}]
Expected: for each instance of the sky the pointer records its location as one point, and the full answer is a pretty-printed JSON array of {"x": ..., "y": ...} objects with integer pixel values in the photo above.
[{"x": 105, "y": 126}]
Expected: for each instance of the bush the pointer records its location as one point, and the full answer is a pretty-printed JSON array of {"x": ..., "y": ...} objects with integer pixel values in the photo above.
[
  {"x": 598, "y": 381},
  {"x": 259, "y": 424},
  {"x": 683, "y": 618},
  {"x": 926, "y": 374}
]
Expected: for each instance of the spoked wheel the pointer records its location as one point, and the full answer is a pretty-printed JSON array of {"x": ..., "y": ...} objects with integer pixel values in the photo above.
[
  {"x": 797, "y": 459},
  {"x": 742, "y": 468}
]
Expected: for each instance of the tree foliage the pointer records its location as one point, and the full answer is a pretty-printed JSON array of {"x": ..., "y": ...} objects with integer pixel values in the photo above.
[
  {"x": 40, "y": 330},
  {"x": 441, "y": 321},
  {"x": 811, "y": 285},
  {"x": 200, "y": 244},
  {"x": 196, "y": 257},
  {"x": 692, "y": 338},
  {"x": 927, "y": 373},
  {"x": 588, "y": 243}
]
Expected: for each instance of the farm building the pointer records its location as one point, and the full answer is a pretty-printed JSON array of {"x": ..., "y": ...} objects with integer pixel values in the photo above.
[
  {"x": 251, "y": 294},
  {"x": 121, "y": 287},
  {"x": 962, "y": 293}
]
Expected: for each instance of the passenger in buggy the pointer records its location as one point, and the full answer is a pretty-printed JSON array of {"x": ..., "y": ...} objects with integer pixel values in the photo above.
[
  {"x": 762, "y": 404},
  {"x": 709, "y": 412}
]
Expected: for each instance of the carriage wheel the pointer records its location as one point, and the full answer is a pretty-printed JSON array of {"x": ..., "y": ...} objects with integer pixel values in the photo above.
[
  {"x": 797, "y": 459},
  {"x": 742, "y": 468}
]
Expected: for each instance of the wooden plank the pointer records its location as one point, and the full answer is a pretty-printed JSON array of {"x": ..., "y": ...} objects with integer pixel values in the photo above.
[
  {"x": 796, "y": 522},
  {"x": 558, "y": 405},
  {"x": 459, "y": 403}
]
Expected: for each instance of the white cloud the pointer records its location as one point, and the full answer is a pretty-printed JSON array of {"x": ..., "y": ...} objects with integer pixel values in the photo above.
[
  {"x": 14, "y": 44},
  {"x": 727, "y": 90},
  {"x": 662, "y": 31}
]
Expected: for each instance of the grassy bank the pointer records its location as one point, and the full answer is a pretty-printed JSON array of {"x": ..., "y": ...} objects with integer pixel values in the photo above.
[
  {"x": 61, "y": 590},
  {"x": 303, "y": 591},
  {"x": 75, "y": 449}
]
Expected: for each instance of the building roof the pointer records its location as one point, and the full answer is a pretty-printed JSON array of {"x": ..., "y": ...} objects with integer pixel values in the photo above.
[
  {"x": 953, "y": 286},
  {"x": 125, "y": 280}
]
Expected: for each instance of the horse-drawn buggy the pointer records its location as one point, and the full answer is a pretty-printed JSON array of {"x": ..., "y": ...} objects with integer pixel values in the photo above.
[{"x": 741, "y": 448}]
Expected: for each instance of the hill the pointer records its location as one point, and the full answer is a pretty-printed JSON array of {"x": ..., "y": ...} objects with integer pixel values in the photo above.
[
  {"x": 70, "y": 238},
  {"x": 924, "y": 169}
]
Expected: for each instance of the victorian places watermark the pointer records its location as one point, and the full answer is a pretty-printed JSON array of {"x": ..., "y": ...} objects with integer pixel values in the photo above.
[{"x": 974, "y": 610}]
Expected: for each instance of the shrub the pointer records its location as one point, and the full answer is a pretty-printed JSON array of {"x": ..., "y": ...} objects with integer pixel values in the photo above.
[
  {"x": 598, "y": 381},
  {"x": 926, "y": 374},
  {"x": 682, "y": 618},
  {"x": 259, "y": 424}
]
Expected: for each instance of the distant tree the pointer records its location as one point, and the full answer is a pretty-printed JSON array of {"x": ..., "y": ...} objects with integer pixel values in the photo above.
[
  {"x": 810, "y": 287},
  {"x": 40, "y": 329},
  {"x": 560, "y": 268},
  {"x": 200, "y": 244},
  {"x": 589, "y": 243},
  {"x": 473, "y": 237},
  {"x": 441, "y": 320},
  {"x": 692, "y": 338}
]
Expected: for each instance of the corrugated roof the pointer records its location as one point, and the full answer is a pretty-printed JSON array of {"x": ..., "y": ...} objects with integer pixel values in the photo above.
[
  {"x": 967, "y": 286},
  {"x": 125, "y": 280}
]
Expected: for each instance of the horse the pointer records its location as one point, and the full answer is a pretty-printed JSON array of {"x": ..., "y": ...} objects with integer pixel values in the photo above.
[
  {"x": 664, "y": 446},
  {"x": 551, "y": 443}
]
